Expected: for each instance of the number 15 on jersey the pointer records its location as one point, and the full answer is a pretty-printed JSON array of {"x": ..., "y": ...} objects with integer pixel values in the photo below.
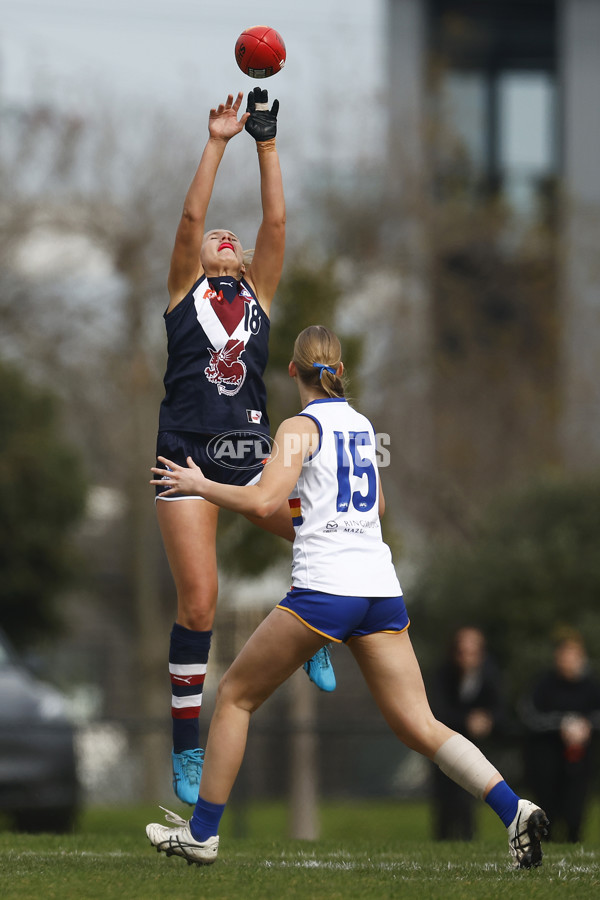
[{"x": 354, "y": 471}]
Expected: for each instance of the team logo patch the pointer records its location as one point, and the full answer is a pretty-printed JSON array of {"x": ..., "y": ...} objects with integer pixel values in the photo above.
[{"x": 226, "y": 369}]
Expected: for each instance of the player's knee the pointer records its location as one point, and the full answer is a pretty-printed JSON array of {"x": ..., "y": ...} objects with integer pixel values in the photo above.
[
  {"x": 422, "y": 733},
  {"x": 230, "y": 692},
  {"x": 196, "y": 608},
  {"x": 237, "y": 693}
]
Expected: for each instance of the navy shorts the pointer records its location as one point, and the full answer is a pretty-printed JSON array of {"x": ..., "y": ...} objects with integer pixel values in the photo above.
[
  {"x": 340, "y": 618},
  {"x": 244, "y": 466}
]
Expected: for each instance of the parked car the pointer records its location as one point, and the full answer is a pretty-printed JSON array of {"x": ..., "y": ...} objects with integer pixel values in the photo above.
[{"x": 39, "y": 788}]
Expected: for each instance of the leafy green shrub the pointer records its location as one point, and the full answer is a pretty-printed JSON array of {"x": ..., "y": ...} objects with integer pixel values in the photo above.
[{"x": 532, "y": 568}]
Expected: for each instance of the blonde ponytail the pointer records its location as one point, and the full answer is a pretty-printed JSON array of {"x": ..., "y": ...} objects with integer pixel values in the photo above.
[{"x": 317, "y": 355}]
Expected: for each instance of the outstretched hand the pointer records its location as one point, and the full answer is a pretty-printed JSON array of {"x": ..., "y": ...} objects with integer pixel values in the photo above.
[
  {"x": 223, "y": 121},
  {"x": 178, "y": 479},
  {"x": 262, "y": 121}
]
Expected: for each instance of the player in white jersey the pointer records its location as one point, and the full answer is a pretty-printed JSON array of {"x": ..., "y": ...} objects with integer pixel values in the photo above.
[
  {"x": 338, "y": 546},
  {"x": 344, "y": 589}
]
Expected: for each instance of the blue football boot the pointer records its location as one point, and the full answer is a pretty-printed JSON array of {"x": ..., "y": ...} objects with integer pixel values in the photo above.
[
  {"x": 320, "y": 670},
  {"x": 187, "y": 770}
]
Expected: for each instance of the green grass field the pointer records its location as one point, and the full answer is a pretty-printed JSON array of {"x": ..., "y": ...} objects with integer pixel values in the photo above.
[{"x": 366, "y": 851}]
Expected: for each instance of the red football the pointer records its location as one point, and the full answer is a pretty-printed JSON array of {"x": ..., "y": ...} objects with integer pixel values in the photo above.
[{"x": 260, "y": 51}]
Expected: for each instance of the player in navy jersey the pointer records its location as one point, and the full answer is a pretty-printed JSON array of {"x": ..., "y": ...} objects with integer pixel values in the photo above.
[
  {"x": 214, "y": 409},
  {"x": 345, "y": 589}
]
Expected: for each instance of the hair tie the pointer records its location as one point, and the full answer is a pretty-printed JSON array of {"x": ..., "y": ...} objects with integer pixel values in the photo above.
[{"x": 322, "y": 367}]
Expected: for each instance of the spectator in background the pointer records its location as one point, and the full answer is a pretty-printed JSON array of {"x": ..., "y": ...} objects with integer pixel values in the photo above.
[
  {"x": 562, "y": 718},
  {"x": 466, "y": 695}
]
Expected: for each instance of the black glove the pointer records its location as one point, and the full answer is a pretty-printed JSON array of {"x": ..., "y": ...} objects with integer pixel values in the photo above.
[{"x": 262, "y": 124}]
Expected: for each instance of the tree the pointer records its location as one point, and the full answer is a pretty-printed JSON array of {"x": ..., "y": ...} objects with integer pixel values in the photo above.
[
  {"x": 469, "y": 361},
  {"x": 89, "y": 322},
  {"x": 529, "y": 567},
  {"x": 43, "y": 497}
]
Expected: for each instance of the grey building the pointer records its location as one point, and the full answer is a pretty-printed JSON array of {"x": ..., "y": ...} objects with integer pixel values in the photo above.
[{"x": 496, "y": 102}]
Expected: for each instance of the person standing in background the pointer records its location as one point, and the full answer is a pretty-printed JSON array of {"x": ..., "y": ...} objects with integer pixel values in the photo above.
[
  {"x": 562, "y": 717},
  {"x": 466, "y": 695}
]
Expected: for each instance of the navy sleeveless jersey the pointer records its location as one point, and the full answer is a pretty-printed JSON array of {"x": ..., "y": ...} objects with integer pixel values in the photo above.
[{"x": 218, "y": 347}]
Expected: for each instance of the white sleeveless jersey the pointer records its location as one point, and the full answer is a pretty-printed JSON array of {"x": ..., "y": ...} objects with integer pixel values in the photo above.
[{"x": 338, "y": 548}]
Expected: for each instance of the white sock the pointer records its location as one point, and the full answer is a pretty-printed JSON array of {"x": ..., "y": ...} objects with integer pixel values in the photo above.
[{"x": 465, "y": 764}]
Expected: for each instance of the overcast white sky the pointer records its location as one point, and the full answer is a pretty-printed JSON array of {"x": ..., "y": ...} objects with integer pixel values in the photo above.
[{"x": 180, "y": 54}]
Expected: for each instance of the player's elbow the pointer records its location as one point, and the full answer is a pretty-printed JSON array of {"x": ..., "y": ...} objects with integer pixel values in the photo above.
[
  {"x": 275, "y": 222},
  {"x": 265, "y": 508},
  {"x": 191, "y": 216}
]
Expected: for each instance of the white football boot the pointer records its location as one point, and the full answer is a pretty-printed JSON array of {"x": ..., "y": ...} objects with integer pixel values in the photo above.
[
  {"x": 525, "y": 834},
  {"x": 179, "y": 841}
]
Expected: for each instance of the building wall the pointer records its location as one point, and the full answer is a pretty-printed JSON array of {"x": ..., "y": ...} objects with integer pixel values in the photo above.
[
  {"x": 579, "y": 32},
  {"x": 501, "y": 375}
]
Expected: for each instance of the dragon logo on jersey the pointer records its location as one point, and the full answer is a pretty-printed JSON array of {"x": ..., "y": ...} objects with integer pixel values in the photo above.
[{"x": 226, "y": 369}]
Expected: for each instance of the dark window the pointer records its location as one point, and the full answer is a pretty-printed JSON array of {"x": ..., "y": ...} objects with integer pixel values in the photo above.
[{"x": 493, "y": 68}]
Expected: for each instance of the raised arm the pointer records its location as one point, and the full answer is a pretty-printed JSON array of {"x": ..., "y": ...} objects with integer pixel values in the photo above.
[
  {"x": 294, "y": 439},
  {"x": 186, "y": 267},
  {"x": 265, "y": 269}
]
